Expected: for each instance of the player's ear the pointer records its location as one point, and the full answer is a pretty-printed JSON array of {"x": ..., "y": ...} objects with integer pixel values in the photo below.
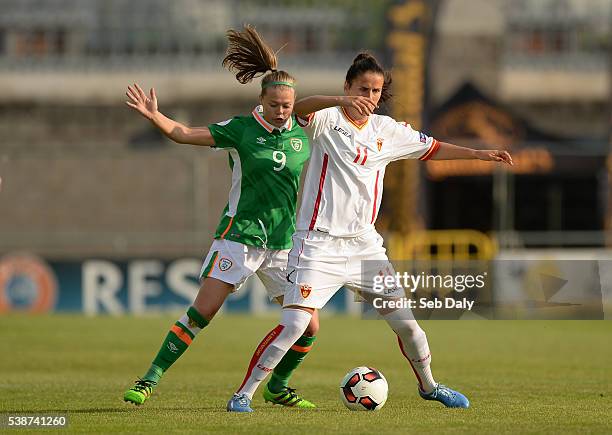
[{"x": 346, "y": 87}]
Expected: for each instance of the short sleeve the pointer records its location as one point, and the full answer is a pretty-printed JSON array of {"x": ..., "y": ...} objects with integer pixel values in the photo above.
[
  {"x": 315, "y": 123},
  {"x": 227, "y": 134},
  {"x": 410, "y": 144}
]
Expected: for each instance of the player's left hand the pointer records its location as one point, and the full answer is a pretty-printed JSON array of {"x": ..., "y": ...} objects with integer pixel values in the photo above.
[
  {"x": 364, "y": 105},
  {"x": 495, "y": 156}
]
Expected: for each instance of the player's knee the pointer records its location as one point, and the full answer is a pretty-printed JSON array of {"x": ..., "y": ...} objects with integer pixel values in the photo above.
[
  {"x": 407, "y": 329},
  {"x": 211, "y": 296},
  {"x": 313, "y": 327},
  {"x": 205, "y": 310},
  {"x": 295, "y": 322},
  {"x": 416, "y": 333}
]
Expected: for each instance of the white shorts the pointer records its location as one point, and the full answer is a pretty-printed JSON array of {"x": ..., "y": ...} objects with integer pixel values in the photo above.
[
  {"x": 320, "y": 264},
  {"x": 233, "y": 263}
]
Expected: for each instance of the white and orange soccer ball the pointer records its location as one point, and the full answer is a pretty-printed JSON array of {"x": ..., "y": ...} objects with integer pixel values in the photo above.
[{"x": 364, "y": 389}]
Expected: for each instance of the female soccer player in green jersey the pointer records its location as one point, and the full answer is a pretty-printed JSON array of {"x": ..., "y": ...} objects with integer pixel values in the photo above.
[{"x": 267, "y": 151}]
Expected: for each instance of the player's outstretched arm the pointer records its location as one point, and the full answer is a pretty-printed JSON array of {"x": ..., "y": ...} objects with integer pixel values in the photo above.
[
  {"x": 146, "y": 105},
  {"x": 448, "y": 151},
  {"x": 308, "y": 105}
]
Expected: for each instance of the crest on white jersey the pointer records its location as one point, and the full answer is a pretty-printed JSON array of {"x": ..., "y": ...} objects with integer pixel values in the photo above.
[
  {"x": 225, "y": 264},
  {"x": 305, "y": 290}
]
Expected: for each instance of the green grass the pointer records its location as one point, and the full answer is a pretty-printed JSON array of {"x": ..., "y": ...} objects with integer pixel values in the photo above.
[{"x": 520, "y": 376}]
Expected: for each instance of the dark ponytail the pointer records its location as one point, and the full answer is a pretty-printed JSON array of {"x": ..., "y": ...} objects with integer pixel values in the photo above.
[{"x": 365, "y": 62}]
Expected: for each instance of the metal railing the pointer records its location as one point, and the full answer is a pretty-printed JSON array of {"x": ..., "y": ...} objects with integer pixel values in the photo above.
[
  {"x": 442, "y": 245},
  {"x": 180, "y": 34}
]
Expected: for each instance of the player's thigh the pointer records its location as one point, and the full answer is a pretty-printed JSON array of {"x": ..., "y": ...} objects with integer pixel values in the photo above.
[
  {"x": 370, "y": 271},
  {"x": 315, "y": 271},
  {"x": 226, "y": 267},
  {"x": 231, "y": 262},
  {"x": 312, "y": 288},
  {"x": 211, "y": 296},
  {"x": 305, "y": 286},
  {"x": 273, "y": 273}
]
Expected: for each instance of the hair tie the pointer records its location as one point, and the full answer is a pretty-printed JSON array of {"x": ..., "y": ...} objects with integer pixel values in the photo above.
[{"x": 280, "y": 83}]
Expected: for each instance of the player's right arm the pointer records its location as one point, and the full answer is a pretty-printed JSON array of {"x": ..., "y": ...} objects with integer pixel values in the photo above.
[
  {"x": 180, "y": 133},
  {"x": 305, "y": 106}
]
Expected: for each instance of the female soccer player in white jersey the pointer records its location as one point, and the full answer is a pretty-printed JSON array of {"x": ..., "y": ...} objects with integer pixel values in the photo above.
[
  {"x": 351, "y": 148},
  {"x": 267, "y": 151}
]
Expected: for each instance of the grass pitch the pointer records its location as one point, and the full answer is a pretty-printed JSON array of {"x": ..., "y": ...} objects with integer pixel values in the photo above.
[{"x": 520, "y": 376}]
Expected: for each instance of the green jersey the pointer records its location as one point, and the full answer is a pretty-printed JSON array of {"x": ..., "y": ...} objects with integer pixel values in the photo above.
[{"x": 266, "y": 164}]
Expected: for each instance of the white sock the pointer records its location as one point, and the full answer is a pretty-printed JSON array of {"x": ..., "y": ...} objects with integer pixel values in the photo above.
[
  {"x": 413, "y": 344},
  {"x": 187, "y": 323},
  {"x": 273, "y": 347}
]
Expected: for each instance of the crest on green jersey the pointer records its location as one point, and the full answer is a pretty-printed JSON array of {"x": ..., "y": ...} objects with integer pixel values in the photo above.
[{"x": 296, "y": 144}]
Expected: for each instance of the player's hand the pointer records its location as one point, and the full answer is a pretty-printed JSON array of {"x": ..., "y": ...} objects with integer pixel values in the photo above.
[
  {"x": 364, "y": 105},
  {"x": 145, "y": 104},
  {"x": 495, "y": 156}
]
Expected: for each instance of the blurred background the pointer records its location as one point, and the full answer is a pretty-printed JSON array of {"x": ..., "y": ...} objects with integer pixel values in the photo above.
[{"x": 99, "y": 213}]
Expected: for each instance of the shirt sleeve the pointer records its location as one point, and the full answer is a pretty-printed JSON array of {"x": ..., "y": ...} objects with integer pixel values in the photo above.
[
  {"x": 411, "y": 144},
  {"x": 227, "y": 134},
  {"x": 315, "y": 123}
]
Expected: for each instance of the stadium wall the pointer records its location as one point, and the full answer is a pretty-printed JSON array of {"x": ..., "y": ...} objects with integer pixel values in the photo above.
[
  {"x": 100, "y": 286},
  {"x": 530, "y": 284}
]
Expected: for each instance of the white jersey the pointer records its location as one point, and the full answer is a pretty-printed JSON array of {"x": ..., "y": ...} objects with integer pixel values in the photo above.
[{"x": 344, "y": 182}]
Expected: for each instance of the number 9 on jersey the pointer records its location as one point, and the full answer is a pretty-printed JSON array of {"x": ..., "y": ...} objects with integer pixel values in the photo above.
[{"x": 280, "y": 158}]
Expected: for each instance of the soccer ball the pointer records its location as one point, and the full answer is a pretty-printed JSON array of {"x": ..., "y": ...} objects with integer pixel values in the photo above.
[{"x": 364, "y": 389}]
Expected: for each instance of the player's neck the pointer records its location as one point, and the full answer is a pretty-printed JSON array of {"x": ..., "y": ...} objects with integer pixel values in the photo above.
[{"x": 355, "y": 116}]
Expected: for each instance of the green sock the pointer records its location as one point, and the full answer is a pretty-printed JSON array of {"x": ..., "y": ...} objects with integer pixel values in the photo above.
[
  {"x": 154, "y": 374},
  {"x": 176, "y": 343},
  {"x": 286, "y": 366}
]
